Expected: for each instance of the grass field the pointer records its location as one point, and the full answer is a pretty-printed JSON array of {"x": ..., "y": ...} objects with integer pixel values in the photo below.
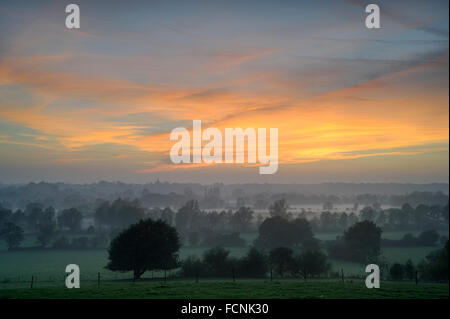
[
  {"x": 48, "y": 266},
  {"x": 292, "y": 289}
]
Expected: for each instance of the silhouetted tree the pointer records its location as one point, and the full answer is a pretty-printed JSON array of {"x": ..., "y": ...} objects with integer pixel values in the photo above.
[
  {"x": 217, "y": 262},
  {"x": 281, "y": 260},
  {"x": 279, "y": 232},
  {"x": 311, "y": 263},
  {"x": 241, "y": 219},
  {"x": 120, "y": 213},
  {"x": 12, "y": 234},
  {"x": 192, "y": 266},
  {"x": 146, "y": 245},
  {"x": 435, "y": 267},
  {"x": 167, "y": 215},
  {"x": 428, "y": 238},
  {"x": 254, "y": 264},
  {"x": 410, "y": 270},
  {"x": 45, "y": 234},
  {"x": 363, "y": 241},
  {"x": 397, "y": 271},
  {"x": 185, "y": 215},
  {"x": 279, "y": 209},
  {"x": 367, "y": 213},
  {"x": 70, "y": 218}
]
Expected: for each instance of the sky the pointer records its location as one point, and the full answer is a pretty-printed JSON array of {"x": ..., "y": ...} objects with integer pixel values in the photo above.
[{"x": 351, "y": 104}]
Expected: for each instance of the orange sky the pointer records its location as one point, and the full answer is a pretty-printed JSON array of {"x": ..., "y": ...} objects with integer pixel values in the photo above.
[{"x": 66, "y": 103}]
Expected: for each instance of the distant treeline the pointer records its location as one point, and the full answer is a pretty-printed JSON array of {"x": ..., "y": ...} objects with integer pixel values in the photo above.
[
  {"x": 257, "y": 196},
  {"x": 198, "y": 227}
]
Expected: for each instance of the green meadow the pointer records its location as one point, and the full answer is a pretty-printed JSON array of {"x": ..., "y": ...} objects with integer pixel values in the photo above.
[
  {"x": 47, "y": 266},
  {"x": 289, "y": 289}
]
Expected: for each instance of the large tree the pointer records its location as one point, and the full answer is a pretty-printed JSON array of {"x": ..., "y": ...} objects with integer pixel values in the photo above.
[
  {"x": 279, "y": 232},
  {"x": 281, "y": 260},
  {"x": 146, "y": 245},
  {"x": 363, "y": 241},
  {"x": 311, "y": 263}
]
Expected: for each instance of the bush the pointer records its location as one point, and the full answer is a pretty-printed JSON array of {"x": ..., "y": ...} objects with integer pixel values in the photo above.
[
  {"x": 61, "y": 242},
  {"x": 224, "y": 240},
  {"x": 397, "y": 271},
  {"x": 192, "y": 266},
  {"x": 80, "y": 242},
  {"x": 217, "y": 263},
  {"x": 435, "y": 267},
  {"x": 428, "y": 238},
  {"x": 253, "y": 265},
  {"x": 310, "y": 264},
  {"x": 100, "y": 240},
  {"x": 281, "y": 260}
]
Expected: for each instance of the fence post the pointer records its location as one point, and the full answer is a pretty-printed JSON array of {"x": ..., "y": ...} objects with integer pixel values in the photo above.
[
  {"x": 32, "y": 281},
  {"x": 342, "y": 274},
  {"x": 165, "y": 276}
]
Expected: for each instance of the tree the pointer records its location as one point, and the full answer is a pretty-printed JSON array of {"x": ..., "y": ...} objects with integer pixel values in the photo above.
[
  {"x": 33, "y": 212},
  {"x": 301, "y": 231},
  {"x": 5, "y": 215},
  {"x": 311, "y": 263},
  {"x": 428, "y": 238},
  {"x": 279, "y": 232},
  {"x": 185, "y": 215},
  {"x": 281, "y": 260},
  {"x": 410, "y": 270},
  {"x": 254, "y": 264},
  {"x": 217, "y": 262},
  {"x": 311, "y": 244},
  {"x": 274, "y": 232},
  {"x": 367, "y": 213},
  {"x": 146, "y": 245},
  {"x": 241, "y": 220},
  {"x": 120, "y": 213},
  {"x": 192, "y": 266},
  {"x": 397, "y": 271},
  {"x": 193, "y": 238},
  {"x": 363, "y": 241},
  {"x": 435, "y": 267},
  {"x": 343, "y": 221},
  {"x": 45, "y": 234},
  {"x": 61, "y": 242},
  {"x": 326, "y": 220},
  {"x": 12, "y": 234},
  {"x": 70, "y": 218},
  {"x": 279, "y": 209},
  {"x": 167, "y": 215}
]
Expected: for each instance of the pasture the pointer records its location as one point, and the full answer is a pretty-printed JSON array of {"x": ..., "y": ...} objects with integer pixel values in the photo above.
[
  {"x": 286, "y": 289},
  {"x": 47, "y": 266}
]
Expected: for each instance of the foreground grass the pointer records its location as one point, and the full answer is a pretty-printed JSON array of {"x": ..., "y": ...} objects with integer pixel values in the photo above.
[{"x": 289, "y": 289}]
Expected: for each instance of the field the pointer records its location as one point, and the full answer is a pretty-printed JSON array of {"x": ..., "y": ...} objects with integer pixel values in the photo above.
[
  {"x": 291, "y": 289},
  {"x": 47, "y": 267}
]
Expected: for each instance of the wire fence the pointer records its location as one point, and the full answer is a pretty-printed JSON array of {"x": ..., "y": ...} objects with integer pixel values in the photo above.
[{"x": 59, "y": 280}]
